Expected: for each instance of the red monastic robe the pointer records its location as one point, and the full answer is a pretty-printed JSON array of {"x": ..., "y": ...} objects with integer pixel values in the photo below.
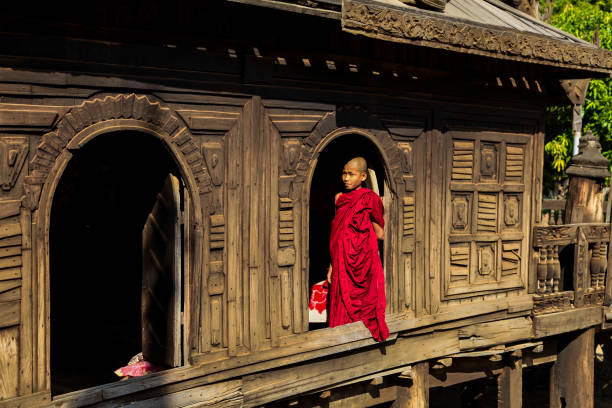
[{"x": 358, "y": 284}]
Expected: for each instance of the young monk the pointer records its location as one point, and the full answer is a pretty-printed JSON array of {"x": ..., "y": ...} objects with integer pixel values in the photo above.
[{"x": 357, "y": 289}]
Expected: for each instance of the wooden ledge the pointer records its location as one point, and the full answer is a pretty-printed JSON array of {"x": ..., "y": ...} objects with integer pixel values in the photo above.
[
  {"x": 567, "y": 321},
  {"x": 207, "y": 369}
]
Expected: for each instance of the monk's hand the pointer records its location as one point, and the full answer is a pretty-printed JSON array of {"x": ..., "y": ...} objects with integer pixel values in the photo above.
[{"x": 329, "y": 271}]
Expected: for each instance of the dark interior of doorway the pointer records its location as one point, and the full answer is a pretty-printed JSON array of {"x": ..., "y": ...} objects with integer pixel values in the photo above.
[
  {"x": 98, "y": 212},
  {"x": 326, "y": 183}
]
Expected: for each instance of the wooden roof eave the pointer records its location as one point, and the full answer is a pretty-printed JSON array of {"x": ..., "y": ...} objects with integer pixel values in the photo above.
[{"x": 425, "y": 28}]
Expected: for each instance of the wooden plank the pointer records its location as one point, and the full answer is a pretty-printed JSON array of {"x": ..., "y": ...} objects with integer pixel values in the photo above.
[
  {"x": 269, "y": 386},
  {"x": 7, "y": 285},
  {"x": 234, "y": 239},
  {"x": 10, "y": 295},
  {"x": 279, "y": 296},
  {"x": 10, "y": 229},
  {"x": 9, "y": 313},
  {"x": 564, "y": 322},
  {"x": 10, "y": 262},
  {"x": 306, "y": 347},
  {"x": 9, "y": 208},
  {"x": 26, "y": 379},
  {"x": 34, "y": 400},
  {"x": 10, "y": 241},
  {"x": 226, "y": 394},
  {"x": 9, "y": 361},
  {"x": 497, "y": 332}
]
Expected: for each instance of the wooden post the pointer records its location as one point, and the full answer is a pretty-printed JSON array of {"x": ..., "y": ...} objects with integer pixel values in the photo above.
[
  {"x": 571, "y": 376},
  {"x": 415, "y": 393},
  {"x": 510, "y": 383},
  {"x": 587, "y": 171}
]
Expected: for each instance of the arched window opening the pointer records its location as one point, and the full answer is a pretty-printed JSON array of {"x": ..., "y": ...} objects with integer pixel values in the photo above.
[
  {"x": 115, "y": 261},
  {"x": 326, "y": 183}
]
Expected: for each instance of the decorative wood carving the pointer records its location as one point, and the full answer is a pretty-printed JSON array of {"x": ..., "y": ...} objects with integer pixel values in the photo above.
[
  {"x": 460, "y": 213},
  {"x": 460, "y": 262},
  {"x": 581, "y": 265},
  {"x": 594, "y": 296},
  {"x": 294, "y": 124},
  {"x": 407, "y": 159},
  {"x": 213, "y": 153},
  {"x": 452, "y": 34},
  {"x": 511, "y": 258},
  {"x": 515, "y": 158},
  {"x": 291, "y": 155},
  {"x": 488, "y": 162},
  {"x": 486, "y": 260},
  {"x": 542, "y": 270},
  {"x": 487, "y": 212},
  {"x": 116, "y": 107},
  {"x": 463, "y": 160},
  {"x": 13, "y": 153},
  {"x": 209, "y": 120},
  {"x": 552, "y": 302},
  {"x": 511, "y": 211},
  {"x": 567, "y": 234},
  {"x": 599, "y": 260}
]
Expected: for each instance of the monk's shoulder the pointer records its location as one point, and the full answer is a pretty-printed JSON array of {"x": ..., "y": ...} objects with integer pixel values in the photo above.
[{"x": 337, "y": 197}]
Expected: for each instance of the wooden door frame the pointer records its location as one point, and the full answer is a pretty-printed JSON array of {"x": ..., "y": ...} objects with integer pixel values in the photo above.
[
  {"x": 40, "y": 205},
  {"x": 392, "y": 237}
]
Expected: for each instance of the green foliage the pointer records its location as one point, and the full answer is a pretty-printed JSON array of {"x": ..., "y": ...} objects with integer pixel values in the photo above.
[{"x": 580, "y": 18}]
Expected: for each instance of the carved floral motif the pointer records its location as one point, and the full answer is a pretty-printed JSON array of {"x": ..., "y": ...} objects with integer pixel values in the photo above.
[{"x": 454, "y": 34}]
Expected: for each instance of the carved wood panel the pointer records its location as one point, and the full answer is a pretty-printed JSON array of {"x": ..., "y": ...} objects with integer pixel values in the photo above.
[
  {"x": 13, "y": 154},
  {"x": 486, "y": 224}
]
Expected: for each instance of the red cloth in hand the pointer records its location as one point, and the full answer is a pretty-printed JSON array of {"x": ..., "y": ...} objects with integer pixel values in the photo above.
[{"x": 358, "y": 284}]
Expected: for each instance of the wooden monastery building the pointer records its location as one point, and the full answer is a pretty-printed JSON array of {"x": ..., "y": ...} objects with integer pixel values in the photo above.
[{"x": 167, "y": 175}]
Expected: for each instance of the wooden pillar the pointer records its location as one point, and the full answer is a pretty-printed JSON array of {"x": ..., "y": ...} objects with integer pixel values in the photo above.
[
  {"x": 584, "y": 201},
  {"x": 510, "y": 383},
  {"x": 571, "y": 376},
  {"x": 415, "y": 393},
  {"x": 587, "y": 171}
]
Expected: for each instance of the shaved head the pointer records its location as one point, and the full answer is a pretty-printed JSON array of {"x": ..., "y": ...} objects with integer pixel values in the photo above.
[{"x": 358, "y": 163}]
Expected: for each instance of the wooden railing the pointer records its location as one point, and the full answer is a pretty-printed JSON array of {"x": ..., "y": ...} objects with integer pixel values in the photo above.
[{"x": 588, "y": 243}]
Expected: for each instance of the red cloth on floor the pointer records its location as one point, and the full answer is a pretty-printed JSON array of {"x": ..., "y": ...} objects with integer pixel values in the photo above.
[{"x": 358, "y": 284}]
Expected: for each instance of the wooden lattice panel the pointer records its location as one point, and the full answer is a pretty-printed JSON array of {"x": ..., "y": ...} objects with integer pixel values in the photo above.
[
  {"x": 515, "y": 158},
  {"x": 460, "y": 262},
  {"x": 463, "y": 160},
  {"x": 487, "y": 212},
  {"x": 487, "y": 180},
  {"x": 511, "y": 258},
  {"x": 409, "y": 215}
]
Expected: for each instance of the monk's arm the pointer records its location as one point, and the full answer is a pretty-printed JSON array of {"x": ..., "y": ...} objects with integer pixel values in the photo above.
[{"x": 379, "y": 231}]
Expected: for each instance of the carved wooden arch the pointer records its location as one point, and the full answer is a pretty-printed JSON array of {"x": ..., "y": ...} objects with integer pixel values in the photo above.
[
  {"x": 80, "y": 125},
  {"x": 342, "y": 123},
  {"x": 113, "y": 113}
]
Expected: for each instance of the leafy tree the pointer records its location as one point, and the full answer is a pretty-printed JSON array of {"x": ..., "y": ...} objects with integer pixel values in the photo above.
[{"x": 581, "y": 18}]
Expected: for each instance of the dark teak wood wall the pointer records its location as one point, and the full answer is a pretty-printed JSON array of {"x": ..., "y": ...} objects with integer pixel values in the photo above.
[{"x": 245, "y": 100}]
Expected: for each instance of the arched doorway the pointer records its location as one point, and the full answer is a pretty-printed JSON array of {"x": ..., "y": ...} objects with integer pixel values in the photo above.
[
  {"x": 326, "y": 182},
  {"x": 100, "y": 298}
]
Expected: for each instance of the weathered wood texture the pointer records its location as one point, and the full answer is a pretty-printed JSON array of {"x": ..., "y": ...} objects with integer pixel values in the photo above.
[
  {"x": 572, "y": 376},
  {"x": 510, "y": 384},
  {"x": 9, "y": 363},
  {"x": 414, "y": 393}
]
